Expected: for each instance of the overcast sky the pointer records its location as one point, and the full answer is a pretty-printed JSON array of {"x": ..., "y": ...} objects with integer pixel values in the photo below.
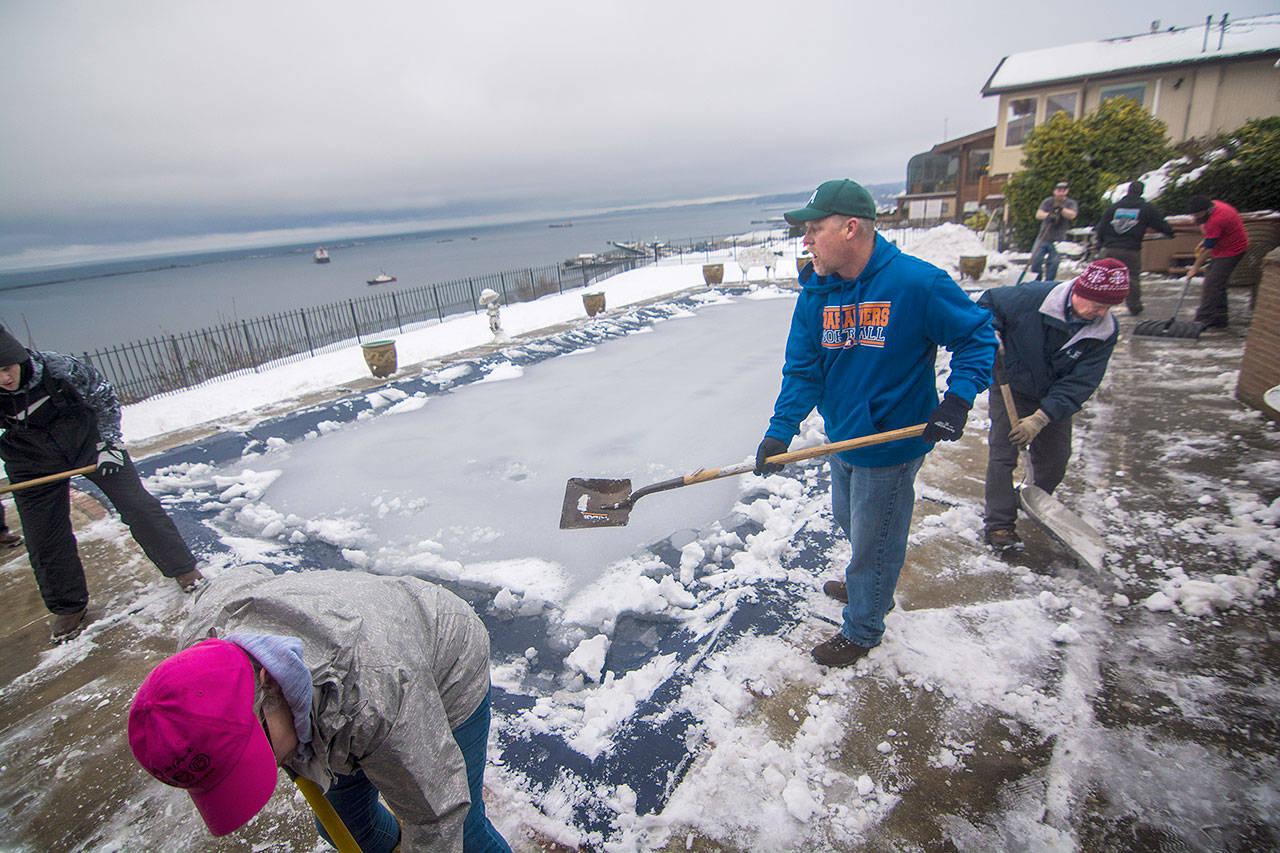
[{"x": 127, "y": 119}]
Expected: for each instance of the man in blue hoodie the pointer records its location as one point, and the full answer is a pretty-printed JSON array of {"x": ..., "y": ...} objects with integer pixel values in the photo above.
[{"x": 862, "y": 348}]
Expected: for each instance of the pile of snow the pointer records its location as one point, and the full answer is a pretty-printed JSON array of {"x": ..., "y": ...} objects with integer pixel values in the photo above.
[{"x": 945, "y": 244}]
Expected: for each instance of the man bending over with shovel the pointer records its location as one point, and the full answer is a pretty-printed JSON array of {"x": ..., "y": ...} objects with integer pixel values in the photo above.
[
  {"x": 364, "y": 684},
  {"x": 1057, "y": 341},
  {"x": 59, "y": 414},
  {"x": 862, "y": 348}
]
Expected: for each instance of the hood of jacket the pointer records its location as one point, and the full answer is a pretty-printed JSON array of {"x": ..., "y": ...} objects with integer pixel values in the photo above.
[
  {"x": 1055, "y": 306},
  {"x": 881, "y": 254}
]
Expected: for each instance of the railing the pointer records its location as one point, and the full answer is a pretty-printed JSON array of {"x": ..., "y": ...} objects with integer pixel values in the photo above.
[{"x": 170, "y": 363}]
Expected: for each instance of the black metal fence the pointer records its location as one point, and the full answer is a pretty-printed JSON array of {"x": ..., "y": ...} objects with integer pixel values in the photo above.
[{"x": 163, "y": 365}]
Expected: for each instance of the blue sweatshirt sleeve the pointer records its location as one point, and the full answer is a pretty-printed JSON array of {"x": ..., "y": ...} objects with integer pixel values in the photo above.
[
  {"x": 954, "y": 321},
  {"x": 802, "y": 373}
]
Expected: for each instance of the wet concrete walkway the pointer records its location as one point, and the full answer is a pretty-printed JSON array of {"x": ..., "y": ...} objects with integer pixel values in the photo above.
[{"x": 1156, "y": 730}]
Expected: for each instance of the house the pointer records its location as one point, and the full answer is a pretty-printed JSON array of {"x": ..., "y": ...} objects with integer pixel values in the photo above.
[
  {"x": 1199, "y": 81},
  {"x": 949, "y": 181}
]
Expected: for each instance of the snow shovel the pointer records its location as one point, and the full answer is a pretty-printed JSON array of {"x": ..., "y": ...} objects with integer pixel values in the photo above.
[
  {"x": 51, "y": 478},
  {"x": 1173, "y": 327},
  {"x": 1046, "y": 510},
  {"x": 608, "y": 503},
  {"x": 1035, "y": 247},
  {"x": 325, "y": 813}
]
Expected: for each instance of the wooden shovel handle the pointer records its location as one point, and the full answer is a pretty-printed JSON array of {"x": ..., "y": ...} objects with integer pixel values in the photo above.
[
  {"x": 49, "y": 478},
  {"x": 1002, "y": 379},
  {"x": 807, "y": 453}
]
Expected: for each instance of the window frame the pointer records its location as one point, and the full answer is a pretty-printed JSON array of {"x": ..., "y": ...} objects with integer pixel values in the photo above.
[
  {"x": 1117, "y": 90},
  {"x": 1076, "y": 100},
  {"x": 1022, "y": 123}
]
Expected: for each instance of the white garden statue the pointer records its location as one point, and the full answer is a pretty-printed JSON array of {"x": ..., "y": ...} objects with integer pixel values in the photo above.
[{"x": 489, "y": 299}]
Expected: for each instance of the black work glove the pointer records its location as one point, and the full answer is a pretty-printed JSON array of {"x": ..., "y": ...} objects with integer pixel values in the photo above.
[
  {"x": 768, "y": 447},
  {"x": 947, "y": 421},
  {"x": 110, "y": 458}
]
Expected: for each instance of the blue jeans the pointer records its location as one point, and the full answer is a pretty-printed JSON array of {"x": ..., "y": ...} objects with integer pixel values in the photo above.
[
  {"x": 355, "y": 799},
  {"x": 873, "y": 507},
  {"x": 1044, "y": 263}
]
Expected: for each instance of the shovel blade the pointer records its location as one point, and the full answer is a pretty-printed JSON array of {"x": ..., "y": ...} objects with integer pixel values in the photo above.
[
  {"x": 1065, "y": 526},
  {"x": 595, "y": 503},
  {"x": 1169, "y": 329}
]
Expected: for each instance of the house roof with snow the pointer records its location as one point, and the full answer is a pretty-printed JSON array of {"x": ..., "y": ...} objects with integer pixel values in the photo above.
[{"x": 1175, "y": 46}]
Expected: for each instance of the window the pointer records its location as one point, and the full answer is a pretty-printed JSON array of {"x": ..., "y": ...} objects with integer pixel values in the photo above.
[
  {"x": 1062, "y": 102},
  {"x": 932, "y": 173},
  {"x": 979, "y": 164},
  {"x": 1021, "y": 118},
  {"x": 1133, "y": 91}
]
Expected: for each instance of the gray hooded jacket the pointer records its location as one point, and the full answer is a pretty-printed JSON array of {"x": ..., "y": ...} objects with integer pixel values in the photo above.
[{"x": 396, "y": 664}]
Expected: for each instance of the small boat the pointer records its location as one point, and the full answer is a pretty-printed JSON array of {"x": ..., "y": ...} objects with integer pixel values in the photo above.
[
  {"x": 381, "y": 278},
  {"x": 321, "y": 256},
  {"x": 560, "y": 225}
]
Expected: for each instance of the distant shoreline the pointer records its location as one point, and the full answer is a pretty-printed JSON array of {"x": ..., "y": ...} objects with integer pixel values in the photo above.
[{"x": 51, "y": 274}]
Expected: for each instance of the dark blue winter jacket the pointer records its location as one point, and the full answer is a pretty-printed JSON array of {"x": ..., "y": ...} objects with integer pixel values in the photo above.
[
  {"x": 863, "y": 352},
  {"x": 1047, "y": 358}
]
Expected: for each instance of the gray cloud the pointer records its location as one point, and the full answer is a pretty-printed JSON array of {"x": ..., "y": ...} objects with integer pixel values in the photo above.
[{"x": 146, "y": 114}]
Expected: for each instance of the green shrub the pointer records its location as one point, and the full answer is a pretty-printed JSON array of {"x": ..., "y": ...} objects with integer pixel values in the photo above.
[
  {"x": 1117, "y": 142},
  {"x": 1241, "y": 168}
]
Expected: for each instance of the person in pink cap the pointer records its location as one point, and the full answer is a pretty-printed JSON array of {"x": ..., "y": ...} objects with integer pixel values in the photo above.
[
  {"x": 1057, "y": 338},
  {"x": 370, "y": 686}
]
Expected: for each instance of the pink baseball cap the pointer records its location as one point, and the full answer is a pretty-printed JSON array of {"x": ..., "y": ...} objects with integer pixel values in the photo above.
[{"x": 192, "y": 725}]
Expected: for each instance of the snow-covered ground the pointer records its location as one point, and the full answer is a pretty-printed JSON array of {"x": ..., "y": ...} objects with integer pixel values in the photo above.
[{"x": 653, "y": 688}]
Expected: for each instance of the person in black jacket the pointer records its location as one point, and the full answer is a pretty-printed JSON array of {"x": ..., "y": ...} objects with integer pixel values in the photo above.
[
  {"x": 58, "y": 414},
  {"x": 1057, "y": 339},
  {"x": 1119, "y": 234},
  {"x": 8, "y": 539}
]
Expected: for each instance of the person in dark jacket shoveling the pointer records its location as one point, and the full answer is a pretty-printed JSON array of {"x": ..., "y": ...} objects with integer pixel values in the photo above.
[
  {"x": 1058, "y": 338},
  {"x": 862, "y": 348},
  {"x": 365, "y": 684},
  {"x": 59, "y": 413}
]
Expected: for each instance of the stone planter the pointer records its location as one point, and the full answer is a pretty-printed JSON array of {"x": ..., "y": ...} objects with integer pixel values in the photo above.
[
  {"x": 713, "y": 273},
  {"x": 593, "y": 302},
  {"x": 972, "y": 266},
  {"x": 1264, "y": 235},
  {"x": 381, "y": 357}
]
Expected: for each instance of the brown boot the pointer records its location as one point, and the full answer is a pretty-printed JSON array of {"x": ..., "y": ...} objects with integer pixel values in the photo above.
[
  {"x": 190, "y": 581},
  {"x": 837, "y": 590},
  {"x": 839, "y": 651},
  {"x": 10, "y": 540},
  {"x": 67, "y": 626}
]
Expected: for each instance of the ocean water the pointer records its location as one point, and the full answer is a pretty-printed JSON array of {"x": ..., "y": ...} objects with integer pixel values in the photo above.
[{"x": 83, "y": 308}]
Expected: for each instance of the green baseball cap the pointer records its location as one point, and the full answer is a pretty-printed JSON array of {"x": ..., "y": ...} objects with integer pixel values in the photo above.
[{"x": 845, "y": 197}]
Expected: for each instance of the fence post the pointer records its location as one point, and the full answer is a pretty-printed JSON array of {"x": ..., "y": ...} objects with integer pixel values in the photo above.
[
  {"x": 248, "y": 340},
  {"x": 354, "y": 323},
  {"x": 502, "y": 283},
  {"x": 559, "y": 280},
  {"x": 435, "y": 291},
  {"x": 306, "y": 330},
  {"x": 177, "y": 358},
  {"x": 395, "y": 308},
  {"x": 475, "y": 304}
]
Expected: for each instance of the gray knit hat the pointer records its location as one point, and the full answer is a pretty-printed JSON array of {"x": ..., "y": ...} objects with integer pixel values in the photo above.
[{"x": 11, "y": 350}]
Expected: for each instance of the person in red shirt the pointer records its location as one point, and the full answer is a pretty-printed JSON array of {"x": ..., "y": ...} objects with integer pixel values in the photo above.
[{"x": 1226, "y": 242}]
